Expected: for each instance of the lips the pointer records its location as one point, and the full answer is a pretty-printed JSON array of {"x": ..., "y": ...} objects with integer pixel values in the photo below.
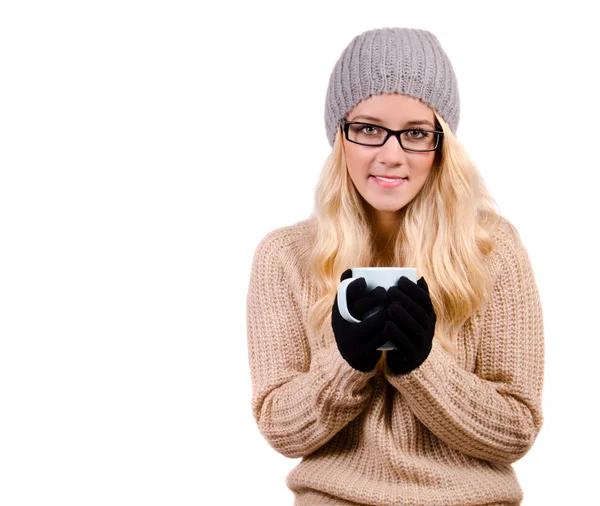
[
  {"x": 389, "y": 178},
  {"x": 388, "y": 182}
]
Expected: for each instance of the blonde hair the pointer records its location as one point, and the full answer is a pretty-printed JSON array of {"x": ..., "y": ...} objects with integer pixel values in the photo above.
[{"x": 445, "y": 232}]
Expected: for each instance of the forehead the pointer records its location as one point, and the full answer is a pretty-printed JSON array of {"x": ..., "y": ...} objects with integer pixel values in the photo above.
[{"x": 392, "y": 108}]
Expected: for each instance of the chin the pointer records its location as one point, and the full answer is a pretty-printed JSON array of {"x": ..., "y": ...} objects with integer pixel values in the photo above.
[{"x": 389, "y": 208}]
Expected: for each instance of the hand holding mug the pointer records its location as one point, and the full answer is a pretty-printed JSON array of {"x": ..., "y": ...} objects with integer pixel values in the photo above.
[
  {"x": 384, "y": 277},
  {"x": 358, "y": 341},
  {"x": 413, "y": 318}
]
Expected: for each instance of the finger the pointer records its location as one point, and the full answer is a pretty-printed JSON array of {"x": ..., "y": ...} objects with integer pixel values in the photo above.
[
  {"x": 423, "y": 284},
  {"x": 417, "y": 312},
  {"x": 372, "y": 299},
  {"x": 378, "y": 294},
  {"x": 395, "y": 357},
  {"x": 362, "y": 307},
  {"x": 376, "y": 297},
  {"x": 370, "y": 326},
  {"x": 415, "y": 292},
  {"x": 356, "y": 289},
  {"x": 384, "y": 336},
  {"x": 393, "y": 293},
  {"x": 404, "y": 320},
  {"x": 346, "y": 274},
  {"x": 399, "y": 339}
]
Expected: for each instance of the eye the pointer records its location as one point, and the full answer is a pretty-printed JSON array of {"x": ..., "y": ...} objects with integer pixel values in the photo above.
[
  {"x": 417, "y": 134},
  {"x": 366, "y": 134},
  {"x": 369, "y": 130}
]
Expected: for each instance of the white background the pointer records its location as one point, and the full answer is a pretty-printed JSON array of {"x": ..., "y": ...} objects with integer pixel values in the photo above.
[{"x": 147, "y": 147}]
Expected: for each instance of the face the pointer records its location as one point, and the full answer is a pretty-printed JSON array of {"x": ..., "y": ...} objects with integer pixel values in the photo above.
[{"x": 368, "y": 164}]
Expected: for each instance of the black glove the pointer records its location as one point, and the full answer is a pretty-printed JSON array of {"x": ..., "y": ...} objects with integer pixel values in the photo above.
[
  {"x": 358, "y": 342},
  {"x": 413, "y": 318}
]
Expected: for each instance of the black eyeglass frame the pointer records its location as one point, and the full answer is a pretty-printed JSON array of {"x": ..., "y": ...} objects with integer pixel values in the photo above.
[{"x": 396, "y": 133}]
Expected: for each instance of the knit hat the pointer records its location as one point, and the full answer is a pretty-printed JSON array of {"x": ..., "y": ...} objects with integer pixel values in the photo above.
[{"x": 387, "y": 60}]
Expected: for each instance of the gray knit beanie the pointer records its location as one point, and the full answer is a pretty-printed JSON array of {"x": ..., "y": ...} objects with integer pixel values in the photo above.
[{"x": 387, "y": 60}]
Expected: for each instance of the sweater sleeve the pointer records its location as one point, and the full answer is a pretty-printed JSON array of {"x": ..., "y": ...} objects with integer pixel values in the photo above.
[
  {"x": 301, "y": 397},
  {"x": 494, "y": 414}
]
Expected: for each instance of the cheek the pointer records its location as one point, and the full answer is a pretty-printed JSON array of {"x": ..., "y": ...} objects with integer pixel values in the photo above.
[
  {"x": 358, "y": 162},
  {"x": 424, "y": 166}
]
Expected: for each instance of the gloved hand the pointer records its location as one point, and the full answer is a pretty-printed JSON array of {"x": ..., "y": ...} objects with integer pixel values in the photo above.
[
  {"x": 413, "y": 318},
  {"x": 358, "y": 342}
]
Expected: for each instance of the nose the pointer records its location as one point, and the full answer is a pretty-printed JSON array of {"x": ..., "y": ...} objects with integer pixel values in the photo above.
[{"x": 391, "y": 153}]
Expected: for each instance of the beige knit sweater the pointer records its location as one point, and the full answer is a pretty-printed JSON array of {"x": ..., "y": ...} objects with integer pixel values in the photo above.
[{"x": 444, "y": 434}]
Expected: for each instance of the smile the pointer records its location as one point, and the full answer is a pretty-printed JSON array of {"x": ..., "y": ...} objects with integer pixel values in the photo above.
[{"x": 388, "y": 182}]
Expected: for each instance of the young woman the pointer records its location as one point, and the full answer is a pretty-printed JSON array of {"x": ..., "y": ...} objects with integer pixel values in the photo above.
[{"x": 440, "y": 419}]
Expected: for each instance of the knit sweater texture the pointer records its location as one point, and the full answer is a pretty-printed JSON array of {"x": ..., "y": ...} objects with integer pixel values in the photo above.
[{"x": 444, "y": 434}]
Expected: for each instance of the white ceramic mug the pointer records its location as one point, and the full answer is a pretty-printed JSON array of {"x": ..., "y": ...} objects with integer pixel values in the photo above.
[{"x": 374, "y": 276}]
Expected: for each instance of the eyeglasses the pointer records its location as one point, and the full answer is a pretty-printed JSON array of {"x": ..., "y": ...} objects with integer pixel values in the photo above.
[{"x": 411, "y": 139}]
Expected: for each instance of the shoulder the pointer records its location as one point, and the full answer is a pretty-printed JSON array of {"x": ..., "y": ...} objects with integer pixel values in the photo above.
[
  {"x": 506, "y": 237},
  {"x": 508, "y": 251},
  {"x": 289, "y": 245}
]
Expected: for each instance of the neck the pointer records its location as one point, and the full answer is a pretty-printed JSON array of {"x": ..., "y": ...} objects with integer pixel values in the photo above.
[{"x": 385, "y": 225}]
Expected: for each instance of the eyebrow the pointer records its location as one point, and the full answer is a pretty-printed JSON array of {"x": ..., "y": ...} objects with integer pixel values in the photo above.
[{"x": 408, "y": 123}]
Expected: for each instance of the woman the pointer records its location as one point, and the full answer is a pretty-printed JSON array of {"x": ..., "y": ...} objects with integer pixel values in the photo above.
[{"x": 440, "y": 419}]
